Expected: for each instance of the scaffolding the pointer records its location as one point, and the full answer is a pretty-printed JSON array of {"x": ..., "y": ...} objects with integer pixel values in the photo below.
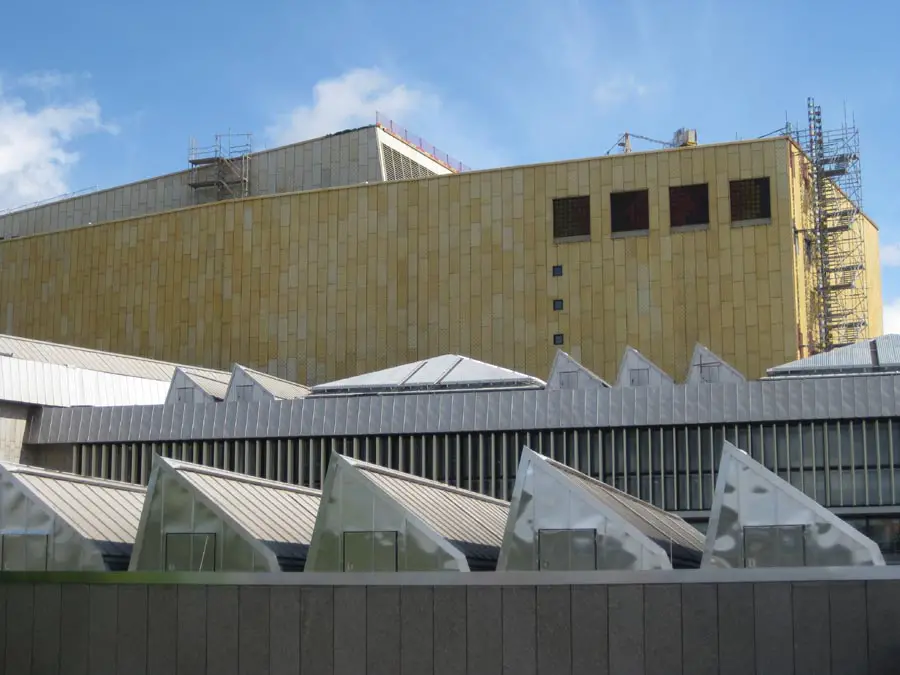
[
  {"x": 223, "y": 167},
  {"x": 833, "y": 234}
]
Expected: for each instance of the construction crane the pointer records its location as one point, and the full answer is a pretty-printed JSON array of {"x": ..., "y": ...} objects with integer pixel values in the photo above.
[{"x": 683, "y": 137}]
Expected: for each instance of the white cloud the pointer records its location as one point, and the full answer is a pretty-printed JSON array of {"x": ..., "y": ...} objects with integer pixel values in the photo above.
[
  {"x": 890, "y": 255},
  {"x": 49, "y": 80},
  {"x": 891, "y": 316},
  {"x": 351, "y": 100},
  {"x": 36, "y": 146},
  {"x": 619, "y": 89}
]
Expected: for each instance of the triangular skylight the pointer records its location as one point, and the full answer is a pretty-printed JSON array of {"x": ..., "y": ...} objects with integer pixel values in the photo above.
[
  {"x": 563, "y": 520},
  {"x": 636, "y": 370},
  {"x": 708, "y": 368},
  {"x": 567, "y": 373},
  {"x": 760, "y": 520}
]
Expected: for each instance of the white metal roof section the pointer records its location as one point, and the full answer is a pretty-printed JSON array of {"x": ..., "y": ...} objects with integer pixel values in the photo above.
[
  {"x": 50, "y": 384},
  {"x": 447, "y": 372},
  {"x": 265, "y": 386},
  {"x": 89, "y": 359},
  {"x": 881, "y": 354},
  {"x": 708, "y": 368},
  {"x": 278, "y": 515},
  {"x": 758, "y": 519},
  {"x": 210, "y": 382},
  {"x": 472, "y": 522},
  {"x": 636, "y": 370},
  {"x": 567, "y": 373},
  {"x": 103, "y": 511}
]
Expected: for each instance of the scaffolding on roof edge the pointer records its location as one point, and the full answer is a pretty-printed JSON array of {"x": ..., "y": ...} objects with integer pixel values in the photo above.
[
  {"x": 833, "y": 233},
  {"x": 224, "y": 166}
]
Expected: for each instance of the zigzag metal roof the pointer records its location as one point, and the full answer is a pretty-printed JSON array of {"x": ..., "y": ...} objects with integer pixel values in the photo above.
[{"x": 774, "y": 400}]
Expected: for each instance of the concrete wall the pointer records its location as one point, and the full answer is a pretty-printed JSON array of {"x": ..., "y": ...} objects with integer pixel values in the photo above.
[
  {"x": 523, "y": 624},
  {"x": 322, "y": 285},
  {"x": 342, "y": 159},
  {"x": 13, "y": 421}
]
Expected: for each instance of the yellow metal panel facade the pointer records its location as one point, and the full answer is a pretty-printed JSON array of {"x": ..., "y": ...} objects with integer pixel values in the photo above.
[
  {"x": 806, "y": 298},
  {"x": 321, "y": 285}
]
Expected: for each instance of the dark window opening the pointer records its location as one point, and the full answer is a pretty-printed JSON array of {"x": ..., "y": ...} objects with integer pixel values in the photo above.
[
  {"x": 571, "y": 217},
  {"x": 630, "y": 211},
  {"x": 557, "y": 305},
  {"x": 640, "y": 377},
  {"x": 557, "y": 270},
  {"x": 689, "y": 205},
  {"x": 709, "y": 372},
  {"x": 557, "y": 338},
  {"x": 750, "y": 199}
]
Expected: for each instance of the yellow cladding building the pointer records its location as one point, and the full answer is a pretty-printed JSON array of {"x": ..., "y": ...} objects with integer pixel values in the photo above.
[{"x": 654, "y": 250}]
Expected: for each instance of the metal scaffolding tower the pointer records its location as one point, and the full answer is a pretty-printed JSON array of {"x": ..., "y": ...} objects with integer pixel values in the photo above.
[
  {"x": 833, "y": 234},
  {"x": 223, "y": 166}
]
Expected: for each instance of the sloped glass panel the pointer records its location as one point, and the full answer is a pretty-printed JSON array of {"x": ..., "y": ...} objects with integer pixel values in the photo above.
[
  {"x": 24, "y": 552},
  {"x": 567, "y": 550},
  {"x": 760, "y": 520},
  {"x": 370, "y": 551}
]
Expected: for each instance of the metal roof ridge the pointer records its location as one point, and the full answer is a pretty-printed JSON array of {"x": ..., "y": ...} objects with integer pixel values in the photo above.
[
  {"x": 118, "y": 355},
  {"x": 411, "y": 478},
  {"x": 29, "y": 470},
  {"x": 179, "y": 465}
]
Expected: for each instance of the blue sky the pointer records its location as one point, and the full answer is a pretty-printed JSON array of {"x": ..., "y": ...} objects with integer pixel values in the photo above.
[{"x": 107, "y": 92}]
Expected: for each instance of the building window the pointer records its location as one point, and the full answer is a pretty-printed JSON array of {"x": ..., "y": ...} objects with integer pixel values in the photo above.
[
  {"x": 244, "y": 392},
  {"x": 640, "y": 377},
  {"x": 370, "y": 551},
  {"x": 24, "y": 552},
  {"x": 557, "y": 305},
  {"x": 709, "y": 372},
  {"x": 558, "y": 338},
  {"x": 190, "y": 552},
  {"x": 689, "y": 205},
  {"x": 571, "y": 217},
  {"x": 557, "y": 270},
  {"x": 630, "y": 211},
  {"x": 750, "y": 200},
  {"x": 568, "y": 380}
]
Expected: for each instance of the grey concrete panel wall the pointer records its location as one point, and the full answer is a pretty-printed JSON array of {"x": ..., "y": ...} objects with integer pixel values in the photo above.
[
  {"x": 793, "y": 627},
  {"x": 342, "y": 159}
]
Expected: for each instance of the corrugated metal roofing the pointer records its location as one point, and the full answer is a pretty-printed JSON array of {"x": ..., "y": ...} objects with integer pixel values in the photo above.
[
  {"x": 859, "y": 357},
  {"x": 888, "y": 347},
  {"x": 449, "y": 371},
  {"x": 40, "y": 383},
  {"x": 279, "y": 515},
  {"x": 809, "y": 399},
  {"x": 655, "y": 523},
  {"x": 279, "y": 388},
  {"x": 213, "y": 383},
  {"x": 850, "y": 357},
  {"x": 470, "y": 521},
  {"x": 103, "y": 511},
  {"x": 89, "y": 359}
]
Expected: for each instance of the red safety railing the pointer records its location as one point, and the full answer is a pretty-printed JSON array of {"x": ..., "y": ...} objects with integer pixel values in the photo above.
[{"x": 420, "y": 144}]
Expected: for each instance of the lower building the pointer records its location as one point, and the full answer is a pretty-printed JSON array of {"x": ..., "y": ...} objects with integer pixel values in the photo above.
[{"x": 828, "y": 426}]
